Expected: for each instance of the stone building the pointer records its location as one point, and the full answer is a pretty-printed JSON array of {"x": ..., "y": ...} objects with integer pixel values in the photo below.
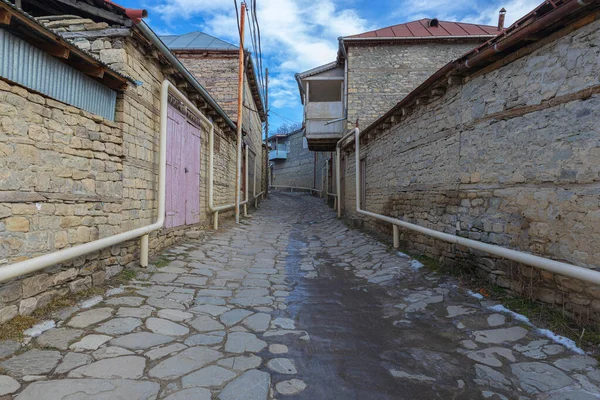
[
  {"x": 375, "y": 69},
  {"x": 294, "y": 165},
  {"x": 499, "y": 146},
  {"x": 215, "y": 64},
  {"x": 79, "y": 144}
]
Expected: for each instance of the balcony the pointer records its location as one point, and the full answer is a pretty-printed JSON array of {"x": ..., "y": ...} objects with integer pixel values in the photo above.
[
  {"x": 277, "y": 155},
  {"x": 320, "y": 135}
]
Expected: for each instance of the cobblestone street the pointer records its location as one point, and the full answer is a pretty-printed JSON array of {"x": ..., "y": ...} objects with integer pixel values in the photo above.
[{"x": 292, "y": 304}]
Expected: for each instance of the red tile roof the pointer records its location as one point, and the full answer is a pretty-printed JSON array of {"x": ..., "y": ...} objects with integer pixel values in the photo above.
[{"x": 421, "y": 28}]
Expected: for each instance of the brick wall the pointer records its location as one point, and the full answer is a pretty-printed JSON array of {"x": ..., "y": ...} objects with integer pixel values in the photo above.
[
  {"x": 379, "y": 76},
  {"x": 69, "y": 177},
  {"x": 508, "y": 158}
]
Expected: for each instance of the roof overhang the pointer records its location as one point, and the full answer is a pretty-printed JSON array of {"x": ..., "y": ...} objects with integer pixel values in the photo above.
[
  {"x": 30, "y": 30},
  {"x": 311, "y": 72},
  {"x": 102, "y": 10}
]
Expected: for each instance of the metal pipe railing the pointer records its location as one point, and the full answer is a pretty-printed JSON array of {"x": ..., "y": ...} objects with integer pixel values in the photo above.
[
  {"x": 557, "y": 267},
  {"x": 295, "y": 187}
]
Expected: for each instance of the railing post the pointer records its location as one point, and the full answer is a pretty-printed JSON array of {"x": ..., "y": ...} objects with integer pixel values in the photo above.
[
  {"x": 396, "y": 230},
  {"x": 144, "y": 250}
]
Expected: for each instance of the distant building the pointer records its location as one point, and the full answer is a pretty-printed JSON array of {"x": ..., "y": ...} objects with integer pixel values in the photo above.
[
  {"x": 294, "y": 165},
  {"x": 374, "y": 70}
]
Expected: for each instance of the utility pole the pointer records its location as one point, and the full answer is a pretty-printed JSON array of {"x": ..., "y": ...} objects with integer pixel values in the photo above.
[
  {"x": 238, "y": 170},
  {"x": 267, "y": 132}
]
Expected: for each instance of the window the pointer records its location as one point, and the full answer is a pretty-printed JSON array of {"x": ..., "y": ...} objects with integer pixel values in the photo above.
[
  {"x": 363, "y": 183},
  {"x": 325, "y": 91}
]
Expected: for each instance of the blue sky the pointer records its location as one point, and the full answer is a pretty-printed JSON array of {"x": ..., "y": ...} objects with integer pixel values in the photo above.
[{"x": 301, "y": 34}]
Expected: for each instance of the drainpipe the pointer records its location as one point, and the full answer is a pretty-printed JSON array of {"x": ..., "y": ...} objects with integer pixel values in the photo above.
[
  {"x": 240, "y": 120},
  {"x": 245, "y": 202},
  {"x": 556, "y": 267},
  {"x": 37, "y": 263}
]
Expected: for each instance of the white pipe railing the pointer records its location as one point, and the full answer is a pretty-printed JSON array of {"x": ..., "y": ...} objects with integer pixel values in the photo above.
[
  {"x": 295, "y": 187},
  {"x": 37, "y": 263},
  {"x": 557, "y": 267}
]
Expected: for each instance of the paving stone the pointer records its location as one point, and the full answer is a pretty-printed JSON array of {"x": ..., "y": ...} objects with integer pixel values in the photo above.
[
  {"x": 163, "y": 278},
  {"x": 134, "y": 312},
  {"x": 496, "y": 320},
  {"x": 119, "y": 326},
  {"x": 282, "y": 366},
  {"x": 212, "y": 376},
  {"x": 90, "y": 389},
  {"x": 195, "y": 393},
  {"x": 576, "y": 363},
  {"x": 214, "y": 293},
  {"x": 501, "y": 335},
  {"x": 488, "y": 356},
  {"x": 284, "y": 323},
  {"x": 205, "y": 339},
  {"x": 127, "y": 367},
  {"x": 241, "y": 342},
  {"x": 257, "y": 322},
  {"x": 32, "y": 362},
  {"x": 241, "y": 363},
  {"x": 90, "y": 317},
  {"x": 489, "y": 377},
  {"x": 204, "y": 323},
  {"x": 175, "y": 315},
  {"x": 258, "y": 292},
  {"x": 8, "y": 348},
  {"x": 40, "y": 328},
  {"x": 537, "y": 377},
  {"x": 141, "y": 340},
  {"x": 8, "y": 385},
  {"x": 164, "y": 303},
  {"x": 185, "y": 362},
  {"x": 217, "y": 301},
  {"x": 192, "y": 280},
  {"x": 173, "y": 270},
  {"x": 110, "y": 352},
  {"x": 278, "y": 349},
  {"x": 59, "y": 338},
  {"x": 91, "y": 302},
  {"x": 232, "y": 317},
  {"x": 213, "y": 310},
  {"x": 252, "y": 385},
  {"x": 161, "y": 352},
  {"x": 251, "y": 301},
  {"x": 166, "y": 327},
  {"x": 129, "y": 301},
  {"x": 572, "y": 395},
  {"x": 72, "y": 361},
  {"x": 291, "y": 387},
  {"x": 90, "y": 342}
]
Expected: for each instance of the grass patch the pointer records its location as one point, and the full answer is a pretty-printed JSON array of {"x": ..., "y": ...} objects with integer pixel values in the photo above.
[
  {"x": 162, "y": 262},
  {"x": 125, "y": 276},
  {"x": 53, "y": 306},
  {"x": 13, "y": 329}
]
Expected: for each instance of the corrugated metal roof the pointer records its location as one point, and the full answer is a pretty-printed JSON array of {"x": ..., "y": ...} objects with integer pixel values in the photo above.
[
  {"x": 196, "y": 41},
  {"x": 421, "y": 28}
]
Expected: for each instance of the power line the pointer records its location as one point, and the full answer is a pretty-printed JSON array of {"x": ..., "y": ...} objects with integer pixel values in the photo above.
[{"x": 284, "y": 118}]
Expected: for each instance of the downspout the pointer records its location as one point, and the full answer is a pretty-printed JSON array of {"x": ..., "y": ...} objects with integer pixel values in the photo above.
[
  {"x": 37, "y": 263},
  {"x": 557, "y": 267}
]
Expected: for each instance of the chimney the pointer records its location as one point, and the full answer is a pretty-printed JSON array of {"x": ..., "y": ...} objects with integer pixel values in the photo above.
[{"x": 501, "y": 19}]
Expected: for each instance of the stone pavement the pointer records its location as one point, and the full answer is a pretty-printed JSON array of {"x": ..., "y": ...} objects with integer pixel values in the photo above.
[{"x": 292, "y": 304}]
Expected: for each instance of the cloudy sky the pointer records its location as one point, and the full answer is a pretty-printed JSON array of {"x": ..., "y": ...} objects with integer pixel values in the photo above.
[{"x": 300, "y": 34}]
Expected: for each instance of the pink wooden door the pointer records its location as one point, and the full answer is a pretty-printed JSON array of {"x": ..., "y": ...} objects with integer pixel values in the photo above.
[
  {"x": 192, "y": 174},
  {"x": 183, "y": 171}
]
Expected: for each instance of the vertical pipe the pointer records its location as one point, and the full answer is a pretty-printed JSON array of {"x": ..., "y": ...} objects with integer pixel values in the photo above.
[
  {"x": 240, "y": 106},
  {"x": 216, "y": 220},
  {"x": 396, "y": 230},
  {"x": 246, "y": 182},
  {"x": 267, "y": 133},
  {"x": 144, "y": 250},
  {"x": 338, "y": 180}
]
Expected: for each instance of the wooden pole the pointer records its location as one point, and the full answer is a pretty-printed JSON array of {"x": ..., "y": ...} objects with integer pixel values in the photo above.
[
  {"x": 238, "y": 170},
  {"x": 267, "y": 132}
]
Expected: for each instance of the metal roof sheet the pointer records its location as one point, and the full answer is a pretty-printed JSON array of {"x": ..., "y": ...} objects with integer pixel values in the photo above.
[
  {"x": 421, "y": 28},
  {"x": 196, "y": 41}
]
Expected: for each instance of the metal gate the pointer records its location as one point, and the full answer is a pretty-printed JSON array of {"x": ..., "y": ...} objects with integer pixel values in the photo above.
[{"x": 183, "y": 168}]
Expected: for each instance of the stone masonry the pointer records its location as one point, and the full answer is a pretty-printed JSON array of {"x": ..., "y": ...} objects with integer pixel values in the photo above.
[
  {"x": 69, "y": 177},
  {"x": 508, "y": 158},
  {"x": 380, "y": 75}
]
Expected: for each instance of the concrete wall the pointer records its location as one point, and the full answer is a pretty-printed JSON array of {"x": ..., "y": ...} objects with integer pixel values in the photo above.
[
  {"x": 69, "y": 177},
  {"x": 508, "y": 158},
  {"x": 300, "y": 166},
  {"x": 380, "y": 75}
]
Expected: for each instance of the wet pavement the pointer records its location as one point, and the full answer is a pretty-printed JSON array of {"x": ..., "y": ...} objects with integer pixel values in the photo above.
[{"x": 292, "y": 304}]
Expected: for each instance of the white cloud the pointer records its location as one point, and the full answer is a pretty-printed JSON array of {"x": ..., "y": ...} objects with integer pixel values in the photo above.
[{"x": 296, "y": 34}]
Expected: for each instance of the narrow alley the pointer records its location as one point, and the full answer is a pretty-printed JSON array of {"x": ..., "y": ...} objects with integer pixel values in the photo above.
[{"x": 292, "y": 304}]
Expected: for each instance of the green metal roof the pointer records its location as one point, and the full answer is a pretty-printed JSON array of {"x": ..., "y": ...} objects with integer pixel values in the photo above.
[{"x": 196, "y": 41}]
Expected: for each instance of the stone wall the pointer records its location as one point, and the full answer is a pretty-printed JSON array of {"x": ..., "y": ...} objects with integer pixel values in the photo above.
[
  {"x": 380, "y": 75},
  {"x": 509, "y": 158},
  {"x": 300, "y": 166},
  {"x": 69, "y": 177}
]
